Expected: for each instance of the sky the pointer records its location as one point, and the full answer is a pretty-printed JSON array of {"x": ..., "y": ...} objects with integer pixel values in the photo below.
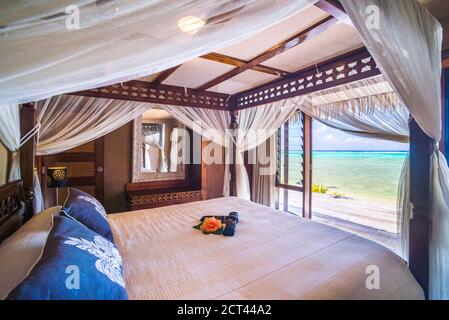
[{"x": 327, "y": 138}]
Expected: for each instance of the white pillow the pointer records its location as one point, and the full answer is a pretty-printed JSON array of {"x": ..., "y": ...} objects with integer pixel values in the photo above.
[{"x": 20, "y": 252}]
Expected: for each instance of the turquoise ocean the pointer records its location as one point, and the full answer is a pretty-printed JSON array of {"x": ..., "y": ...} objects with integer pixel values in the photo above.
[{"x": 372, "y": 175}]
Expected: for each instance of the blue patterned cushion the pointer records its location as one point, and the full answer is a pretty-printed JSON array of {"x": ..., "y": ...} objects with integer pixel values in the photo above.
[
  {"x": 87, "y": 210},
  {"x": 76, "y": 264}
]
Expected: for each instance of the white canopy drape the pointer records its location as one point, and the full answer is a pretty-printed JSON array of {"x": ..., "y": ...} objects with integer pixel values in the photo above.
[
  {"x": 264, "y": 189},
  {"x": 406, "y": 44},
  {"x": 367, "y": 108},
  {"x": 211, "y": 124},
  {"x": 77, "y": 45},
  {"x": 10, "y": 137},
  {"x": 255, "y": 126},
  {"x": 70, "y": 121}
]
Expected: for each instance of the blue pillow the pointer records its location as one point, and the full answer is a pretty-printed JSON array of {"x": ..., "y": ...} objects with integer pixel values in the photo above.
[
  {"x": 86, "y": 209},
  {"x": 76, "y": 264}
]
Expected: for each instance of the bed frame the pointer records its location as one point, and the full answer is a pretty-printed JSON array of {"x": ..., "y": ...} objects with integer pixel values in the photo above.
[
  {"x": 11, "y": 208},
  {"x": 344, "y": 69}
]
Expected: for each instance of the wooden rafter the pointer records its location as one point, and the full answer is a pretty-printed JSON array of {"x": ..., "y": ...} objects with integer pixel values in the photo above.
[
  {"x": 291, "y": 42},
  {"x": 334, "y": 8},
  {"x": 218, "y": 57},
  {"x": 164, "y": 75}
]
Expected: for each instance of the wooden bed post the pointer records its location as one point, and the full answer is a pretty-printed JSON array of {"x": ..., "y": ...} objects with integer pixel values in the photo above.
[
  {"x": 27, "y": 153},
  {"x": 233, "y": 182},
  {"x": 421, "y": 147}
]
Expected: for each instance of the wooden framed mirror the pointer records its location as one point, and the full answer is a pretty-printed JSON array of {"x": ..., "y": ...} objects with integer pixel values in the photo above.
[{"x": 156, "y": 149}]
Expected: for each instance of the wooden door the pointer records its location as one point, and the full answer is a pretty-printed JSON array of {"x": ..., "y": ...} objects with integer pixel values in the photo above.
[
  {"x": 212, "y": 175},
  {"x": 85, "y": 171}
]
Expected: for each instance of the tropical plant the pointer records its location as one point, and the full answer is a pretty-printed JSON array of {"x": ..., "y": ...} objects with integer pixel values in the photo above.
[{"x": 319, "y": 188}]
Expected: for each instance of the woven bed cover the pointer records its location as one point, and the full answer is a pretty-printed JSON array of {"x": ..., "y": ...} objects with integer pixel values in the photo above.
[{"x": 274, "y": 255}]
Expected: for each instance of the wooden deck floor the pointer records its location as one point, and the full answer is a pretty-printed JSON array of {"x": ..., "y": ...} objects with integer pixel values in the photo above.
[
  {"x": 385, "y": 238},
  {"x": 370, "y": 219}
]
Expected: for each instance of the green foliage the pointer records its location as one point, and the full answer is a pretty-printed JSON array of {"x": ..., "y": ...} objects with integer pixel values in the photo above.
[{"x": 319, "y": 188}]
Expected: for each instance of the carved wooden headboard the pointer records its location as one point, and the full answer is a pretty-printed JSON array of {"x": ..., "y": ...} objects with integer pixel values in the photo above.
[{"x": 11, "y": 208}]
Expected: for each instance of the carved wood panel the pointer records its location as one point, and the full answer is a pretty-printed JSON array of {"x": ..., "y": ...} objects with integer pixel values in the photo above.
[
  {"x": 142, "y": 91},
  {"x": 329, "y": 74},
  {"x": 11, "y": 208},
  {"x": 163, "y": 199}
]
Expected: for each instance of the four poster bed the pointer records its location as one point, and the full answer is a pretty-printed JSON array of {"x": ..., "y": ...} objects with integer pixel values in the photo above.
[{"x": 274, "y": 255}]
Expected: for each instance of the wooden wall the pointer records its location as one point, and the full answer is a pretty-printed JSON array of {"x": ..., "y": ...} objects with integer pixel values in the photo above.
[
  {"x": 212, "y": 174},
  {"x": 117, "y": 167}
]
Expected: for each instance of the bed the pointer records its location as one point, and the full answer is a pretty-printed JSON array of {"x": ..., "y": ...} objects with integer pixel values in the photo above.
[{"x": 274, "y": 255}]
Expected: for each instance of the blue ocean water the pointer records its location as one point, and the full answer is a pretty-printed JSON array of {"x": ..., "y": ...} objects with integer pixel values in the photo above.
[{"x": 359, "y": 174}]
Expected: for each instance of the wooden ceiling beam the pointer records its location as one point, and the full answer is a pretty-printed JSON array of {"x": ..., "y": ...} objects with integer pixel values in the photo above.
[
  {"x": 334, "y": 8},
  {"x": 222, "y": 58},
  {"x": 164, "y": 75},
  {"x": 291, "y": 42}
]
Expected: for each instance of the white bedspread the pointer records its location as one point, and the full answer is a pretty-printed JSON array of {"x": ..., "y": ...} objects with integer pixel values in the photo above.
[{"x": 274, "y": 255}]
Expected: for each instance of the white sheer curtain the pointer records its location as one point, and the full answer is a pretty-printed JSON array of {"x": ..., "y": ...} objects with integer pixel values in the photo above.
[
  {"x": 174, "y": 137},
  {"x": 10, "y": 137},
  {"x": 264, "y": 177},
  {"x": 367, "y": 108},
  {"x": 212, "y": 124},
  {"x": 209, "y": 123},
  {"x": 155, "y": 159},
  {"x": 38, "y": 200},
  {"x": 385, "y": 122},
  {"x": 406, "y": 44},
  {"x": 116, "y": 41},
  {"x": 255, "y": 126},
  {"x": 69, "y": 121}
]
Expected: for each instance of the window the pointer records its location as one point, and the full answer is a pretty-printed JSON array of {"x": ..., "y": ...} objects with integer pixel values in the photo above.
[{"x": 291, "y": 164}]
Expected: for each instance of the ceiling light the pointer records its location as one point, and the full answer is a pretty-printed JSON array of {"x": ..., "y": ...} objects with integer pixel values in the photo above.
[{"x": 191, "y": 24}]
